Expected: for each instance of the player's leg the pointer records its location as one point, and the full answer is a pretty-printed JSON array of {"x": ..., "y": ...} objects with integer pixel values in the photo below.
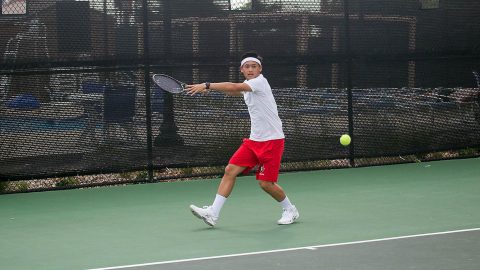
[
  {"x": 241, "y": 161},
  {"x": 289, "y": 211},
  {"x": 224, "y": 190},
  {"x": 228, "y": 180},
  {"x": 245, "y": 159},
  {"x": 273, "y": 189},
  {"x": 270, "y": 157},
  {"x": 210, "y": 214}
]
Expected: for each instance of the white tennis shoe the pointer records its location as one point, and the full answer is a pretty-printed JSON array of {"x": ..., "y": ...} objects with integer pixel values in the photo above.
[
  {"x": 205, "y": 214},
  {"x": 289, "y": 216}
]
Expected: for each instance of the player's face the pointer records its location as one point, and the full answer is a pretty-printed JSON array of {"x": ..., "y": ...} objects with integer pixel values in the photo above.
[{"x": 251, "y": 70}]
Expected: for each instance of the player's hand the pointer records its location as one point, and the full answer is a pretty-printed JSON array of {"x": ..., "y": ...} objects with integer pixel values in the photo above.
[{"x": 200, "y": 88}]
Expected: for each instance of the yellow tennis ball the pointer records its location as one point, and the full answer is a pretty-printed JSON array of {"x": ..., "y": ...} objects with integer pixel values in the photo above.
[{"x": 345, "y": 139}]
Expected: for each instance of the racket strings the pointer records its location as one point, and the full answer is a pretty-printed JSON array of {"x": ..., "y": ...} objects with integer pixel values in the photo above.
[{"x": 169, "y": 84}]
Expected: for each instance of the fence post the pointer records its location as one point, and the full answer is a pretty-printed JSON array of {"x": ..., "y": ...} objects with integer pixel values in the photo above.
[
  {"x": 148, "y": 111},
  {"x": 348, "y": 74}
]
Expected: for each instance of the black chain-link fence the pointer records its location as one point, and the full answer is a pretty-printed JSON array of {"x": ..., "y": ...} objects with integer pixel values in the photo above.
[{"x": 77, "y": 97}]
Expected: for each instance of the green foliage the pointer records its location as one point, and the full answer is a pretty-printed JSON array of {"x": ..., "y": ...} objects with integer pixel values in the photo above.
[
  {"x": 128, "y": 175},
  {"x": 187, "y": 171},
  {"x": 3, "y": 187},
  {"x": 67, "y": 182},
  {"x": 468, "y": 152},
  {"x": 142, "y": 176},
  {"x": 21, "y": 186}
]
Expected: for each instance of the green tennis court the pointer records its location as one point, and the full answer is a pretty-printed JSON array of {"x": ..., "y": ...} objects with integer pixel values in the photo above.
[{"x": 408, "y": 216}]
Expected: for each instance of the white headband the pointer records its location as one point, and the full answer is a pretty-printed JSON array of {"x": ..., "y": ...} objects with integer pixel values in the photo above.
[{"x": 250, "y": 59}]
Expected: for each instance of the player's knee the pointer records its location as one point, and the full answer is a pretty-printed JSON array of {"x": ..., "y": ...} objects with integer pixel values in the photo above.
[
  {"x": 230, "y": 170},
  {"x": 265, "y": 185}
]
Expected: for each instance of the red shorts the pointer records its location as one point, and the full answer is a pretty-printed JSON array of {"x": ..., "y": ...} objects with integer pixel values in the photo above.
[{"x": 266, "y": 154}]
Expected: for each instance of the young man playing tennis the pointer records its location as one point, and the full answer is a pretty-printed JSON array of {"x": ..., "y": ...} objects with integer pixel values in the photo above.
[{"x": 264, "y": 147}]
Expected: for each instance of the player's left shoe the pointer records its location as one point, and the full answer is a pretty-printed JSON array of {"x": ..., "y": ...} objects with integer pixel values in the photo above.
[
  {"x": 205, "y": 213},
  {"x": 289, "y": 216}
]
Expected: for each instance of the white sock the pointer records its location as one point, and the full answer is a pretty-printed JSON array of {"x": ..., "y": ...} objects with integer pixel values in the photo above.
[
  {"x": 218, "y": 204},
  {"x": 286, "y": 203}
]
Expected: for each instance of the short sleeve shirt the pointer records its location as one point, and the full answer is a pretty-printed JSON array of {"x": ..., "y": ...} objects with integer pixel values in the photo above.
[{"x": 265, "y": 122}]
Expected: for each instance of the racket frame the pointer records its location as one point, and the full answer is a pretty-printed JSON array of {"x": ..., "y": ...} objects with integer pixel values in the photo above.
[{"x": 181, "y": 84}]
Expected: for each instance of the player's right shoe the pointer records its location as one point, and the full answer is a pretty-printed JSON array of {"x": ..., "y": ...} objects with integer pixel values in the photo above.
[
  {"x": 205, "y": 214},
  {"x": 289, "y": 216}
]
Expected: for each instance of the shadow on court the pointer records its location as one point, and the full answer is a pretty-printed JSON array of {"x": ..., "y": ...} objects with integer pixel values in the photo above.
[{"x": 456, "y": 250}]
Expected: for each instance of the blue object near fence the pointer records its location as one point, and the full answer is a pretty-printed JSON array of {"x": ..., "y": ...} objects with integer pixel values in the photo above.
[{"x": 25, "y": 102}]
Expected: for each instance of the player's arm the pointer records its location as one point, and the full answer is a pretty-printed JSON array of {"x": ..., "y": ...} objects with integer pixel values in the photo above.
[
  {"x": 233, "y": 94},
  {"x": 228, "y": 88}
]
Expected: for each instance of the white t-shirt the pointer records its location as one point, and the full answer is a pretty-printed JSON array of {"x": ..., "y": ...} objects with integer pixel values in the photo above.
[{"x": 265, "y": 123}]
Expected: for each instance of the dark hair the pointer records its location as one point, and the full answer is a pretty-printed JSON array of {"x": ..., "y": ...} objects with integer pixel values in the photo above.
[{"x": 252, "y": 54}]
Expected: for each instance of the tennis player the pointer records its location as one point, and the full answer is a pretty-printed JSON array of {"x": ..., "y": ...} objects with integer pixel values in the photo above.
[{"x": 264, "y": 147}]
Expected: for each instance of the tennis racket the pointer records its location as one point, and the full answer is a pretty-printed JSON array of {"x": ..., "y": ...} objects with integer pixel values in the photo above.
[{"x": 169, "y": 84}]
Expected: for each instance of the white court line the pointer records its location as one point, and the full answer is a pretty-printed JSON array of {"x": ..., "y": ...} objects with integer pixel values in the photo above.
[{"x": 288, "y": 249}]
